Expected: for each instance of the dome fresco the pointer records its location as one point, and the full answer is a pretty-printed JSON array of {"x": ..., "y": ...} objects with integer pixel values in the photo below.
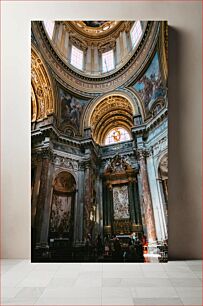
[
  {"x": 94, "y": 23},
  {"x": 99, "y": 157},
  {"x": 150, "y": 85}
]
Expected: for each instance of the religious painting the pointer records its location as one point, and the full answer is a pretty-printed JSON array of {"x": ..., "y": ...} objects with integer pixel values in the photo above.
[
  {"x": 71, "y": 108},
  {"x": 120, "y": 202},
  {"x": 150, "y": 86}
]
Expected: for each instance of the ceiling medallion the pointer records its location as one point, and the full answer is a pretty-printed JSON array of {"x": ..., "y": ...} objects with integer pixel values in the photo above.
[{"x": 95, "y": 27}]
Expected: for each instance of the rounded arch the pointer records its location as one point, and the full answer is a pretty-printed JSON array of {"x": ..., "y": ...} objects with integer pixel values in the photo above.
[
  {"x": 43, "y": 102},
  {"x": 163, "y": 167},
  {"x": 110, "y": 112},
  {"x": 160, "y": 159},
  {"x": 139, "y": 102},
  {"x": 132, "y": 99},
  {"x": 64, "y": 181}
]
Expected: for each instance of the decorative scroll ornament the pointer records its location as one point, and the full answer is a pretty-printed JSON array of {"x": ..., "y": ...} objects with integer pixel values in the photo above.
[
  {"x": 65, "y": 162},
  {"x": 117, "y": 165}
]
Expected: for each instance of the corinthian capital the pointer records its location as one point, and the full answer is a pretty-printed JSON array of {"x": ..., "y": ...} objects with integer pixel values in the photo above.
[{"x": 142, "y": 153}]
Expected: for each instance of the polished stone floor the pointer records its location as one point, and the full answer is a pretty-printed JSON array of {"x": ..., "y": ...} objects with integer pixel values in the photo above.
[{"x": 172, "y": 283}]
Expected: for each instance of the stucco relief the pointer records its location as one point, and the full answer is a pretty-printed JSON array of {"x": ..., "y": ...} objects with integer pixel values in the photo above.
[
  {"x": 66, "y": 163},
  {"x": 60, "y": 214},
  {"x": 160, "y": 146}
]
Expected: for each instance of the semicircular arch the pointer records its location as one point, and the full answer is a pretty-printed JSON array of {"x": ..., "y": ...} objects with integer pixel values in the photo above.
[
  {"x": 43, "y": 98},
  {"x": 132, "y": 99}
]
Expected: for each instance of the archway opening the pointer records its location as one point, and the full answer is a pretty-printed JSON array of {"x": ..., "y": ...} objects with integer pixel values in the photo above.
[
  {"x": 111, "y": 120},
  {"x": 61, "y": 225}
]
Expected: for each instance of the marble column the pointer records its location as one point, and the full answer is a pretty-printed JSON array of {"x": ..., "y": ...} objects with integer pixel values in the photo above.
[
  {"x": 57, "y": 38},
  {"x": 121, "y": 46},
  {"x": 44, "y": 200},
  {"x": 108, "y": 206},
  {"x": 125, "y": 44},
  {"x": 157, "y": 205},
  {"x": 148, "y": 207},
  {"x": 118, "y": 51},
  {"x": 137, "y": 203},
  {"x": 65, "y": 43},
  {"x": 35, "y": 192},
  {"x": 78, "y": 228},
  {"x": 87, "y": 197},
  {"x": 99, "y": 210},
  {"x": 96, "y": 60},
  {"x": 88, "y": 59},
  {"x": 131, "y": 202}
]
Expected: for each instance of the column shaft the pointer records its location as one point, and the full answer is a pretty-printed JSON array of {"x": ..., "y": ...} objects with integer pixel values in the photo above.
[{"x": 148, "y": 208}]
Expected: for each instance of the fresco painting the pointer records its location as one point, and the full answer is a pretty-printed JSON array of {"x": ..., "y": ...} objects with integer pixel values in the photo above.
[{"x": 150, "y": 86}]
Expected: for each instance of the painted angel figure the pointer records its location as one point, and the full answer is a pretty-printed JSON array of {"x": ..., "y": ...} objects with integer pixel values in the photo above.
[{"x": 75, "y": 112}]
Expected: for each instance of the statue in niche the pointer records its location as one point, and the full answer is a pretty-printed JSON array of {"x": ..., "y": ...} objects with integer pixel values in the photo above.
[{"x": 163, "y": 167}]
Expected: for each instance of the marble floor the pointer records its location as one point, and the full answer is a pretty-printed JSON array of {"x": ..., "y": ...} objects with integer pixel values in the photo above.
[{"x": 172, "y": 283}]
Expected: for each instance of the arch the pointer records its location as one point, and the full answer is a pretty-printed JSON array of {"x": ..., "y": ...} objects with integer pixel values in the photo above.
[
  {"x": 60, "y": 170},
  {"x": 163, "y": 179},
  {"x": 132, "y": 100},
  {"x": 43, "y": 102},
  {"x": 111, "y": 111},
  {"x": 64, "y": 182},
  {"x": 61, "y": 222},
  {"x": 161, "y": 157}
]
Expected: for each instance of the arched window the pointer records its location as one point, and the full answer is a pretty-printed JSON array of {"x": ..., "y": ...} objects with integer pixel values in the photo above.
[
  {"x": 49, "y": 26},
  {"x": 108, "y": 61},
  {"x": 136, "y": 33},
  {"x": 77, "y": 58},
  {"x": 116, "y": 135}
]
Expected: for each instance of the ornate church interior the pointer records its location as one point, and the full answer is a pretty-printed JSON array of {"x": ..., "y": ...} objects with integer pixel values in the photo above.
[{"x": 99, "y": 144}]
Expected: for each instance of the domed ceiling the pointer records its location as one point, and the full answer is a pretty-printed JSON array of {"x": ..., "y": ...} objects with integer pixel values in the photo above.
[{"x": 108, "y": 54}]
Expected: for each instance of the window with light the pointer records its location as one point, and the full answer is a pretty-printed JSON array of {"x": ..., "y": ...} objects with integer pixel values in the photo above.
[
  {"x": 49, "y": 26},
  {"x": 136, "y": 33},
  {"x": 116, "y": 135},
  {"x": 77, "y": 58},
  {"x": 107, "y": 61}
]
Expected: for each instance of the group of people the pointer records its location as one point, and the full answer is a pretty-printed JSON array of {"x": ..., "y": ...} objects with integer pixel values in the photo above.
[{"x": 114, "y": 249}]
